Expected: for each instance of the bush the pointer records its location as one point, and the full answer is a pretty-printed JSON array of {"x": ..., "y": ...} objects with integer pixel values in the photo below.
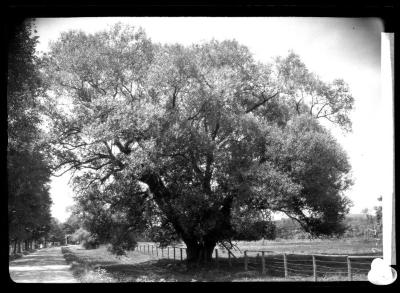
[
  {"x": 80, "y": 235},
  {"x": 91, "y": 242},
  {"x": 122, "y": 241}
]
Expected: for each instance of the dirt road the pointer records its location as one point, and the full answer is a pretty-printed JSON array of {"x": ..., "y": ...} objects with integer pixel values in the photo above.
[{"x": 43, "y": 266}]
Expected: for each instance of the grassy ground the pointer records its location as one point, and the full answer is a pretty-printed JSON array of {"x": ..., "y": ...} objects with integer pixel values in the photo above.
[
  {"x": 316, "y": 246},
  {"x": 99, "y": 265},
  {"x": 15, "y": 256}
]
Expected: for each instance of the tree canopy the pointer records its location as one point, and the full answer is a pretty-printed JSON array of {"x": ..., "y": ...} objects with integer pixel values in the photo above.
[{"x": 200, "y": 142}]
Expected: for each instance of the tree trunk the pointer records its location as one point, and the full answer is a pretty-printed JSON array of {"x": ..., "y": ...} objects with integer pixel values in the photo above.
[
  {"x": 199, "y": 253},
  {"x": 15, "y": 247},
  {"x": 19, "y": 246}
]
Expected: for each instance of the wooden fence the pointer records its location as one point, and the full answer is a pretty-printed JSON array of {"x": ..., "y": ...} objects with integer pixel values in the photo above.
[
  {"x": 307, "y": 265},
  {"x": 282, "y": 264}
]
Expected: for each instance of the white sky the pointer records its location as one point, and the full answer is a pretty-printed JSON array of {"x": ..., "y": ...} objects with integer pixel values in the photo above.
[{"x": 347, "y": 48}]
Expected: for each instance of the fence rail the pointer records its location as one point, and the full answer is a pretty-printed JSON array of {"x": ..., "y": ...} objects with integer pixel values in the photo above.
[{"x": 267, "y": 261}]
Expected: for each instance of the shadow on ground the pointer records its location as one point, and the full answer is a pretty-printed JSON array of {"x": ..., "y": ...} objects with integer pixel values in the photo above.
[
  {"x": 139, "y": 267},
  {"x": 143, "y": 268}
]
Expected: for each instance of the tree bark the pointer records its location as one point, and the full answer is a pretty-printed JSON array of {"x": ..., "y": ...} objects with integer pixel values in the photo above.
[{"x": 199, "y": 253}]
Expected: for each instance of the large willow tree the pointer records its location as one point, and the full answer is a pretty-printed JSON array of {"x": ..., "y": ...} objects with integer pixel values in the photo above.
[{"x": 201, "y": 143}]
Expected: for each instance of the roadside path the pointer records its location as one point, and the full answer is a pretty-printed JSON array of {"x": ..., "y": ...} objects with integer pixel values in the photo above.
[{"x": 43, "y": 266}]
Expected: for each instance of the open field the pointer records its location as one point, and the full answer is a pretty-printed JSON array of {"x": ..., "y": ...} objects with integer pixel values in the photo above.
[
  {"x": 315, "y": 246},
  {"x": 99, "y": 265}
]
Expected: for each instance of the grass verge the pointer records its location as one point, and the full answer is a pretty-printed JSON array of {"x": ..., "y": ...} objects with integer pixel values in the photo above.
[
  {"x": 85, "y": 271},
  {"x": 19, "y": 255},
  {"x": 99, "y": 265}
]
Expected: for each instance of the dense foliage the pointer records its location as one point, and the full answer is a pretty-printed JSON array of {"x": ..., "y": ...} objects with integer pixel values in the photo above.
[
  {"x": 199, "y": 143},
  {"x": 28, "y": 172},
  {"x": 56, "y": 232}
]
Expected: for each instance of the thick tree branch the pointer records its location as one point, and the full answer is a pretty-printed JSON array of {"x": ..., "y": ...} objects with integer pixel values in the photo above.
[
  {"x": 215, "y": 132},
  {"x": 208, "y": 172},
  {"x": 112, "y": 157},
  {"x": 174, "y": 95},
  {"x": 125, "y": 147},
  {"x": 262, "y": 102}
]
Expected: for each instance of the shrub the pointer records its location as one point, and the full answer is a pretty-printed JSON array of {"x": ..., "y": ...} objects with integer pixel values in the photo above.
[
  {"x": 80, "y": 235},
  {"x": 91, "y": 242}
]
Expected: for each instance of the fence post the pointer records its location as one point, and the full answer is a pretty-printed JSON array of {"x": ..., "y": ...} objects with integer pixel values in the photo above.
[
  {"x": 216, "y": 257},
  {"x": 148, "y": 248},
  {"x": 350, "y": 277},
  {"x": 245, "y": 260},
  {"x": 314, "y": 268},
  {"x": 156, "y": 251},
  {"x": 174, "y": 252},
  {"x": 181, "y": 249},
  {"x": 263, "y": 263},
  {"x": 152, "y": 250},
  {"x": 285, "y": 265},
  {"x": 168, "y": 251}
]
